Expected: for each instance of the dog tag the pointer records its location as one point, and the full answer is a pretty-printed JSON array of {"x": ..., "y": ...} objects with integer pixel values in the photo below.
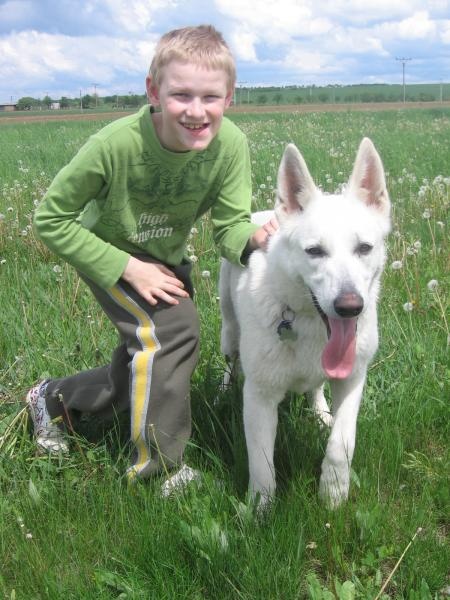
[{"x": 285, "y": 331}]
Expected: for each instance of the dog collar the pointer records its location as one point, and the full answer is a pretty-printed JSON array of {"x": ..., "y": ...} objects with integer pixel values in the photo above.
[{"x": 284, "y": 328}]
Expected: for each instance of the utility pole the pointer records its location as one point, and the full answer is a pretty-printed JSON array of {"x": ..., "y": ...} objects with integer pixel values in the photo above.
[
  {"x": 403, "y": 60},
  {"x": 95, "y": 93},
  {"x": 240, "y": 84}
]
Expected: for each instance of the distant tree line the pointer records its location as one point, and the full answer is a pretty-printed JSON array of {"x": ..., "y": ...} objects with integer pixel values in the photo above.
[
  {"x": 293, "y": 94},
  {"x": 87, "y": 101}
]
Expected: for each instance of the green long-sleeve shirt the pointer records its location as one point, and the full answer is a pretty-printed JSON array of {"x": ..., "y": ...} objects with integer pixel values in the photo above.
[{"x": 123, "y": 194}]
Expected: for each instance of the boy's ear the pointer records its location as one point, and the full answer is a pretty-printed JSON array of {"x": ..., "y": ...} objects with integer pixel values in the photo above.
[
  {"x": 152, "y": 91},
  {"x": 229, "y": 98}
]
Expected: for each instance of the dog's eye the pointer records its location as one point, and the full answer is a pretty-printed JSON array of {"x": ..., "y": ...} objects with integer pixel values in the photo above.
[
  {"x": 315, "y": 252},
  {"x": 364, "y": 249}
]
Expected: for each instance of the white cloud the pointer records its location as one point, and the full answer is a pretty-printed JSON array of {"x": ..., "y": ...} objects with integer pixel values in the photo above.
[
  {"x": 273, "y": 20},
  {"x": 135, "y": 15},
  {"x": 66, "y": 45},
  {"x": 306, "y": 62},
  {"x": 417, "y": 27},
  {"x": 242, "y": 41},
  {"x": 31, "y": 57}
]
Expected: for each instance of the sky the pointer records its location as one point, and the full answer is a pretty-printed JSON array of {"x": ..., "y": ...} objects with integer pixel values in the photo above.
[{"x": 67, "y": 47}]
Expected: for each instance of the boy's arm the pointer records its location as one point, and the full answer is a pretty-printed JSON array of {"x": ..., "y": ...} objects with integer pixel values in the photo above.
[
  {"x": 236, "y": 236},
  {"x": 57, "y": 218},
  {"x": 232, "y": 229}
]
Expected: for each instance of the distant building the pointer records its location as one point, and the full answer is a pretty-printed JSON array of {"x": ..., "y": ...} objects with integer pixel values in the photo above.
[
  {"x": 55, "y": 106},
  {"x": 8, "y": 107}
]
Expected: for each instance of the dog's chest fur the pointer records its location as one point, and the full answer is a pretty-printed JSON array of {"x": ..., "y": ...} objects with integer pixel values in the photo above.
[{"x": 262, "y": 305}]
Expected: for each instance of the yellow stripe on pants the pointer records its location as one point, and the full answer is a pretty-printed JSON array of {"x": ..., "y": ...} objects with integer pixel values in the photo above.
[{"x": 141, "y": 369}]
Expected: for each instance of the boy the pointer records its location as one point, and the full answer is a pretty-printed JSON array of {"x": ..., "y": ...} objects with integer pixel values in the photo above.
[{"x": 120, "y": 212}]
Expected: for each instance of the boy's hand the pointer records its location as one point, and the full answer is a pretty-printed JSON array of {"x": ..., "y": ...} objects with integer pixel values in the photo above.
[
  {"x": 153, "y": 281},
  {"x": 262, "y": 235}
]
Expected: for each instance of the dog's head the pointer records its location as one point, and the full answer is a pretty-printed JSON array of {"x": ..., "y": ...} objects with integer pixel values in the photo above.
[{"x": 335, "y": 245}]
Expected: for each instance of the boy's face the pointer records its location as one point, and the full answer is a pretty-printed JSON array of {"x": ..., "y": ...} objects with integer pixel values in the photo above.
[{"x": 192, "y": 101}]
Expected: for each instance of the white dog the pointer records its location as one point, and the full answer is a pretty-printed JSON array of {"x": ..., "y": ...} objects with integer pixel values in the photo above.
[{"x": 305, "y": 312}]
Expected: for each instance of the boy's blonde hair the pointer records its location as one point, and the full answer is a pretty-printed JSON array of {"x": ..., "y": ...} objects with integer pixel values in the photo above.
[{"x": 202, "y": 45}]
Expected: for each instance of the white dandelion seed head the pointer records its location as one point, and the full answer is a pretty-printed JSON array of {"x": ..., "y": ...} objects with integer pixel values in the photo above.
[
  {"x": 396, "y": 265},
  {"x": 206, "y": 274},
  {"x": 2, "y": 217},
  {"x": 440, "y": 224},
  {"x": 193, "y": 258},
  {"x": 433, "y": 284},
  {"x": 426, "y": 214},
  {"x": 417, "y": 245},
  {"x": 408, "y": 306},
  {"x": 57, "y": 269},
  {"x": 421, "y": 193}
]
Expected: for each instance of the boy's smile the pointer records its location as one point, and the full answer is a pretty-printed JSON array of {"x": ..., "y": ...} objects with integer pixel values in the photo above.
[{"x": 192, "y": 100}]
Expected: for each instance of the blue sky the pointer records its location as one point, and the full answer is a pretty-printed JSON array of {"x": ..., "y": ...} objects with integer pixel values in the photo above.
[{"x": 62, "y": 47}]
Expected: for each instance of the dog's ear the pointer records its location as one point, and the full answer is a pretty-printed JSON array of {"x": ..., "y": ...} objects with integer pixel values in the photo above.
[
  {"x": 295, "y": 186},
  {"x": 367, "y": 180}
]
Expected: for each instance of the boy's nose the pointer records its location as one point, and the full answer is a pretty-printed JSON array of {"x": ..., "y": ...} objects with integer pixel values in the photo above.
[{"x": 195, "y": 108}]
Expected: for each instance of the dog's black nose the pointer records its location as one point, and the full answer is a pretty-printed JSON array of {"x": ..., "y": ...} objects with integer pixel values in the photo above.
[{"x": 348, "y": 304}]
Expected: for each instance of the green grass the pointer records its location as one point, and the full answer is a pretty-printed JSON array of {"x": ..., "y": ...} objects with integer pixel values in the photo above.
[{"x": 73, "y": 529}]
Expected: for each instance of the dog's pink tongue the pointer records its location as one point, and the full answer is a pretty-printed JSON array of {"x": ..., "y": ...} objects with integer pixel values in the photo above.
[{"x": 338, "y": 356}]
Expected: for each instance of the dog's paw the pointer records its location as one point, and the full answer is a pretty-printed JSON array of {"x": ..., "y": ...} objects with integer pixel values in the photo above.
[
  {"x": 324, "y": 417},
  {"x": 334, "y": 485}
]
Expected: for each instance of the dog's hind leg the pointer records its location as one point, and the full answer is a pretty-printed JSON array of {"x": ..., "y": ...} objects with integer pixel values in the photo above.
[
  {"x": 335, "y": 478},
  {"x": 229, "y": 337},
  {"x": 319, "y": 406}
]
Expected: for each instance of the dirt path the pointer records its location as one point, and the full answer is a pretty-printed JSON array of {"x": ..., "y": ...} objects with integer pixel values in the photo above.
[{"x": 22, "y": 117}]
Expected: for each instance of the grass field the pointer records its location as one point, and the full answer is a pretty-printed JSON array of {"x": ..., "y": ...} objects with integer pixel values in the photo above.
[{"x": 71, "y": 528}]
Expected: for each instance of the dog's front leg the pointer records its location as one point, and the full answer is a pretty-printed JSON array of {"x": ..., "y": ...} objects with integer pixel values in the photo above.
[
  {"x": 260, "y": 423},
  {"x": 319, "y": 406},
  {"x": 335, "y": 478}
]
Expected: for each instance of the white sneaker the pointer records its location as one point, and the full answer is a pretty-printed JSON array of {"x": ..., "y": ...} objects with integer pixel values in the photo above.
[
  {"x": 178, "y": 482},
  {"x": 49, "y": 437}
]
